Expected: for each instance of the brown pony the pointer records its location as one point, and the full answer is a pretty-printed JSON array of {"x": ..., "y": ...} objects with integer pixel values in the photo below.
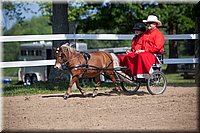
[{"x": 80, "y": 67}]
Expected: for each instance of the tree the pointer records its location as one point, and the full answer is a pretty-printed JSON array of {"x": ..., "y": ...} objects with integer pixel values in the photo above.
[
  {"x": 13, "y": 11},
  {"x": 118, "y": 18},
  {"x": 37, "y": 25}
]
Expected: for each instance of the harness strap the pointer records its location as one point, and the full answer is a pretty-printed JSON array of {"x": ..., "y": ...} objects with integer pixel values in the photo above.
[{"x": 86, "y": 57}]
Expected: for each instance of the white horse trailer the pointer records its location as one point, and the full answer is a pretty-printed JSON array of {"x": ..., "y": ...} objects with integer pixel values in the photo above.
[{"x": 38, "y": 51}]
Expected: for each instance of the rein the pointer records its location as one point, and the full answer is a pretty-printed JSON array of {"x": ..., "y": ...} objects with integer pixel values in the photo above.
[{"x": 72, "y": 59}]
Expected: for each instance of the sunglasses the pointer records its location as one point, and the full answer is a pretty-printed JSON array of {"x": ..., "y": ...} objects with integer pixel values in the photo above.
[{"x": 151, "y": 23}]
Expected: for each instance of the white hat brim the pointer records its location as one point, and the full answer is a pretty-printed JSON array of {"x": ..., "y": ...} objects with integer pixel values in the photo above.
[{"x": 158, "y": 22}]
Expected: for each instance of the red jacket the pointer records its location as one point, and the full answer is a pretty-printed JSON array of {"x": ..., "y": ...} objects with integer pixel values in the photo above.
[
  {"x": 151, "y": 41},
  {"x": 135, "y": 42}
]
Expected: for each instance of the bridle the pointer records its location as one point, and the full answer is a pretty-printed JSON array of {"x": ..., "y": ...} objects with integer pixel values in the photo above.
[{"x": 59, "y": 55}]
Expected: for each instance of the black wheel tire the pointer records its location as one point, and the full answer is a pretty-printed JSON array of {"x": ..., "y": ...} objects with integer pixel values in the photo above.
[
  {"x": 157, "y": 83},
  {"x": 127, "y": 83},
  {"x": 34, "y": 79},
  {"x": 130, "y": 87}
]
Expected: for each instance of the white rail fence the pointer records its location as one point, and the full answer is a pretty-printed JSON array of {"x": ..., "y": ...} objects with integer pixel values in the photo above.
[{"x": 87, "y": 37}]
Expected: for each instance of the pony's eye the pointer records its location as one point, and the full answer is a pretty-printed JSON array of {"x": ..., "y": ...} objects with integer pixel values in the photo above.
[{"x": 56, "y": 52}]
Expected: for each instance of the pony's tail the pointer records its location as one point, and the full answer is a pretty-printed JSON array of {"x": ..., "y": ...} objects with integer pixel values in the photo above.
[
  {"x": 116, "y": 65},
  {"x": 115, "y": 60}
]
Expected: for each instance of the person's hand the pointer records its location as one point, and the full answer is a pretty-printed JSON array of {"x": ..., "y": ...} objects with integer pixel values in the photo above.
[
  {"x": 128, "y": 51},
  {"x": 139, "y": 51}
]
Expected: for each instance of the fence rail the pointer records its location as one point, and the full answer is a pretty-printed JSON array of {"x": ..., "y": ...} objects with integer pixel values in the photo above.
[
  {"x": 87, "y": 37},
  {"x": 52, "y": 62}
]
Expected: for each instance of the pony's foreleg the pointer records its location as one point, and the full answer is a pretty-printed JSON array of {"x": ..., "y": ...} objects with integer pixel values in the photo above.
[
  {"x": 97, "y": 84},
  {"x": 78, "y": 86},
  {"x": 68, "y": 90}
]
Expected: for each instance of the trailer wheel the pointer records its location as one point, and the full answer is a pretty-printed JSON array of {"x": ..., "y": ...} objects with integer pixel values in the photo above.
[
  {"x": 34, "y": 79},
  {"x": 27, "y": 79}
]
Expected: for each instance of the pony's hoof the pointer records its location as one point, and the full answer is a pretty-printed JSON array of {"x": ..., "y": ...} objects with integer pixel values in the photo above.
[
  {"x": 118, "y": 92},
  {"x": 65, "y": 97},
  {"x": 94, "y": 94},
  {"x": 83, "y": 94}
]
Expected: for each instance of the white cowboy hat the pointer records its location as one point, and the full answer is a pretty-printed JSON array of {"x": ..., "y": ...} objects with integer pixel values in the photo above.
[{"x": 152, "y": 18}]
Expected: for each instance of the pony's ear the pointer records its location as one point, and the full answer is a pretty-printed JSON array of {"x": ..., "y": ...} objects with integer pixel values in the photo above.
[{"x": 72, "y": 45}]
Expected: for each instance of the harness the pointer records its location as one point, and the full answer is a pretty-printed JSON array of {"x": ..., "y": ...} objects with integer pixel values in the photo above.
[{"x": 87, "y": 57}]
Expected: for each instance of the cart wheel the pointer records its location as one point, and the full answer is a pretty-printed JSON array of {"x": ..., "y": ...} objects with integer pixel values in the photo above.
[
  {"x": 27, "y": 80},
  {"x": 157, "y": 83},
  {"x": 34, "y": 79},
  {"x": 128, "y": 85},
  {"x": 131, "y": 87}
]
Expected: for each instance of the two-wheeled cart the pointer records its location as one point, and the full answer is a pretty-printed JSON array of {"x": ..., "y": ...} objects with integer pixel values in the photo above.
[{"x": 156, "y": 82}]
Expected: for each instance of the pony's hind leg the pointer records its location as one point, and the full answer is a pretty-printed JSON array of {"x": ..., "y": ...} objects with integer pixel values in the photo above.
[
  {"x": 97, "y": 84},
  {"x": 113, "y": 78},
  {"x": 78, "y": 86}
]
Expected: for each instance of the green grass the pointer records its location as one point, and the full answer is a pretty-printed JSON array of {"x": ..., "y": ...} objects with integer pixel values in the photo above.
[
  {"x": 38, "y": 88},
  {"x": 45, "y": 88},
  {"x": 10, "y": 71},
  {"x": 174, "y": 79}
]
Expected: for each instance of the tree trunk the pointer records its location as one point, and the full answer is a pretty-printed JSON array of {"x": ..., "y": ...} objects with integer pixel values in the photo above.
[
  {"x": 173, "y": 49},
  {"x": 60, "y": 21},
  {"x": 59, "y": 26}
]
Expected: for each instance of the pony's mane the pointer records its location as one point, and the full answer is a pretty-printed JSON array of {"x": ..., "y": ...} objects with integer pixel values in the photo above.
[{"x": 67, "y": 47}]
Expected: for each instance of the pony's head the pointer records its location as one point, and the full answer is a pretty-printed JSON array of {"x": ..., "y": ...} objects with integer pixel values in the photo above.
[{"x": 63, "y": 54}]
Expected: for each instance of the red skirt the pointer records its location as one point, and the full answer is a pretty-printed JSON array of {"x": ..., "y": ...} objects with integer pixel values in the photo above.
[
  {"x": 139, "y": 63},
  {"x": 121, "y": 58}
]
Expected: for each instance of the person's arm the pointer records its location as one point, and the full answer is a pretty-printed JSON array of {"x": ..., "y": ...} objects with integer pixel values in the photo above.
[{"x": 132, "y": 46}]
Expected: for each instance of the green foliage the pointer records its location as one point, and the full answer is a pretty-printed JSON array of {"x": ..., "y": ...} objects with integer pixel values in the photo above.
[
  {"x": 13, "y": 10},
  {"x": 113, "y": 18},
  {"x": 10, "y": 51},
  {"x": 179, "y": 14},
  {"x": 35, "y": 26},
  {"x": 93, "y": 44}
]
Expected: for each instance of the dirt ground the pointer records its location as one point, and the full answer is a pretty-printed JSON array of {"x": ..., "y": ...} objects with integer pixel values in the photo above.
[{"x": 175, "y": 110}]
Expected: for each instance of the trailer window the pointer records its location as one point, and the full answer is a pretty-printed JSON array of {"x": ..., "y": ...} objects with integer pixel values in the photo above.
[
  {"x": 38, "y": 52},
  {"x": 23, "y": 52},
  {"x": 32, "y": 52}
]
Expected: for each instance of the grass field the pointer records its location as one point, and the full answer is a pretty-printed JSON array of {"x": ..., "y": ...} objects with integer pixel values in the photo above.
[{"x": 173, "y": 79}]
